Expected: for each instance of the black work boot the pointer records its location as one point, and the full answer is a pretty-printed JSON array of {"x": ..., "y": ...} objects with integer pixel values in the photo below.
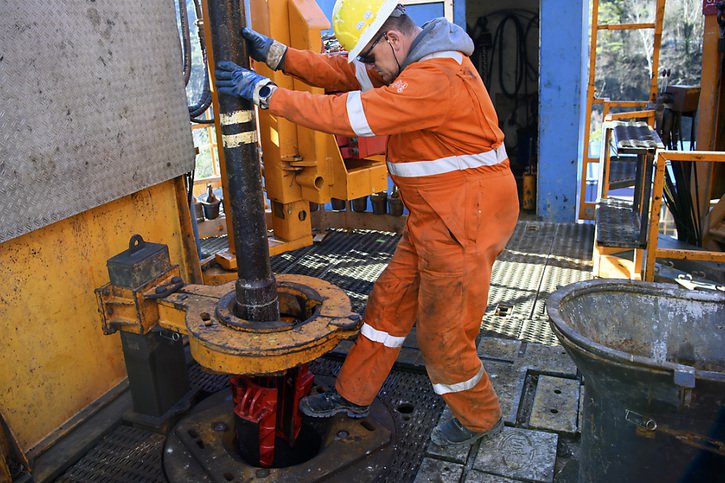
[
  {"x": 453, "y": 433},
  {"x": 330, "y": 403}
]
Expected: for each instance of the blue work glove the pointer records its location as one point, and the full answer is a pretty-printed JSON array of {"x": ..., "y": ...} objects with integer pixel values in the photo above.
[
  {"x": 233, "y": 80},
  {"x": 264, "y": 49}
]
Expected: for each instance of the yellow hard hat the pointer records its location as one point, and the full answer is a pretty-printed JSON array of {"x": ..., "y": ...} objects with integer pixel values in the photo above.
[{"x": 356, "y": 22}]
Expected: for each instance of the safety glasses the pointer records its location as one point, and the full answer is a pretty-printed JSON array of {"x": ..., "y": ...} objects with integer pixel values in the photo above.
[{"x": 368, "y": 57}]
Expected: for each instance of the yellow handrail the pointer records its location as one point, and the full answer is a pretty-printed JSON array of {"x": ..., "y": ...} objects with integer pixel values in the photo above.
[{"x": 663, "y": 157}]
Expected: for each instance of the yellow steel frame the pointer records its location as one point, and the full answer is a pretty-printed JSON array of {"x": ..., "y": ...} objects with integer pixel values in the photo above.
[
  {"x": 647, "y": 115},
  {"x": 586, "y": 209},
  {"x": 653, "y": 253},
  {"x": 608, "y": 262}
]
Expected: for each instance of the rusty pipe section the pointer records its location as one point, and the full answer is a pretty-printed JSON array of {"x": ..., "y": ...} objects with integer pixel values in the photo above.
[{"x": 255, "y": 288}]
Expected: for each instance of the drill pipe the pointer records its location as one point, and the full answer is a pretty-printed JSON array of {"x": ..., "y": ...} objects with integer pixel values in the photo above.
[{"x": 255, "y": 288}]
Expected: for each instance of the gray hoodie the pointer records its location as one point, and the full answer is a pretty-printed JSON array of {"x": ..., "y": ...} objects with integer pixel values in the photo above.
[{"x": 438, "y": 35}]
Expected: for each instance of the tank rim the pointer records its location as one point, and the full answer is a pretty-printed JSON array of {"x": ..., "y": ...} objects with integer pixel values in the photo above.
[{"x": 574, "y": 340}]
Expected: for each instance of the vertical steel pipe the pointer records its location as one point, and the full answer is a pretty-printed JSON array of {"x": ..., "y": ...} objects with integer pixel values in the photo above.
[{"x": 256, "y": 291}]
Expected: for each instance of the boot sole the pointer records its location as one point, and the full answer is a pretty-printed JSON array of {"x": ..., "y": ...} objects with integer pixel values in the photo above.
[
  {"x": 442, "y": 441},
  {"x": 307, "y": 411}
]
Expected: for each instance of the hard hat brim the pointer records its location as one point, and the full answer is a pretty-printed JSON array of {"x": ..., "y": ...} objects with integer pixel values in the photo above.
[{"x": 385, "y": 10}]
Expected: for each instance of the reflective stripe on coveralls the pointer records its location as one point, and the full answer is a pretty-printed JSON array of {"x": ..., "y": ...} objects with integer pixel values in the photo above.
[
  {"x": 442, "y": 389},
  {"x": 446, "y": 165},
  {"x": 381, "y": 336},
  {"x": 358, "y": 121},
  {"x": 361, "y": 74},
  {"x": 355, "y": 111}
]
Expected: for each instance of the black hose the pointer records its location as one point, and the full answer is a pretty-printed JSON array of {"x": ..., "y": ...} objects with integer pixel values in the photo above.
[
  {"x": 204, "y": 101},
  {"x": 202, "y": 121},
  {"x": 190, "y": 194},
  {"x": 186, "y": 40}
]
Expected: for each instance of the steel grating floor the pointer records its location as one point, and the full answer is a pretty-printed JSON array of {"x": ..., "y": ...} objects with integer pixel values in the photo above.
[
  {"x": 125, "y": 454},
  {"x": 539, "y": 258}
]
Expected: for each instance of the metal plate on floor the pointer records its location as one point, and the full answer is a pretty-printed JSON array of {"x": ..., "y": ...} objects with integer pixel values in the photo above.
[
  {"x": 508, "y": 327},
  {"x": 556, "y": 405},
  {"x": 539, "y": 331},
  {"x": 437, "y": 471},
  {"x": 519, "y": 453},
  {"x": 350, "y": 260}
]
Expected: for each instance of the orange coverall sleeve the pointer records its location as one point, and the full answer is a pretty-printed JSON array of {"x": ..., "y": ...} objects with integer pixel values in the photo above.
[
  {"x": 329, "y": 71},
  {"x": 416, "y": 101}
]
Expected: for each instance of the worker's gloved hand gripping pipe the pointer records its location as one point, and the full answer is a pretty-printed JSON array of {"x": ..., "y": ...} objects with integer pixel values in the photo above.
[
  {"x": 264, "y": 49},
  {"x": 234, "y": 80}
]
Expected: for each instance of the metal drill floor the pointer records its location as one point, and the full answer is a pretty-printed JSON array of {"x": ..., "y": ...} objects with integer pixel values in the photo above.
[
  {"x": 539, "y": 258},
  {"x": 537, "y": 383}
]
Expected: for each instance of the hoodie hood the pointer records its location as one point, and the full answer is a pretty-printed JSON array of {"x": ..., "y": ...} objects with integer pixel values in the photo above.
[{"x": 438, "y": 35}]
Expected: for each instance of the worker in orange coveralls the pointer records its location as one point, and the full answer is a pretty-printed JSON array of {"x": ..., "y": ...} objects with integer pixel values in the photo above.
[{"x": 445, "y": 152}]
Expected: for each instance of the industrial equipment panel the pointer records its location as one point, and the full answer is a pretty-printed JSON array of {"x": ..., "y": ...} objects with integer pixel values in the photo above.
[{"x": 93, "y": 106}]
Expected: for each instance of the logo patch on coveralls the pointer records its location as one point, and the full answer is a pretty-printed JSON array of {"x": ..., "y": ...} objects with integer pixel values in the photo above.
[{"x": 399, "y": 85}]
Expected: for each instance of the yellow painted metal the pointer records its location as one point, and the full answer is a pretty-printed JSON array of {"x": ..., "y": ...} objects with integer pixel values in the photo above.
[
  {"x": 10, "y": 453},
  {"x": 277, "y": 135},
  {"x": 707, "y": 114},
  {"x": 647, "y": 115},
  {"x": 132, "y": 310},
  {"x": 291, "y": 221},
  {"x": 54, "y": 358},
  {"x": 587, "y": 209},
  {"x": 528, "y": 200},
  {"x": 224, "y": 344},
  {"x": 352, "y": 220},
  {"x": 663, "y": 157},
  {"x": 626, "y": 26}
]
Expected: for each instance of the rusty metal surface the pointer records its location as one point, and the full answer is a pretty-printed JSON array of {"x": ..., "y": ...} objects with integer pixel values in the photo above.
[
  {"x": 199, "y": 448},
  {"x": 556, "y": 404},
  {"x": 93, "y": 107},
  {"x": 134, "y": 310},
  {"x": 316, "y": 317}
]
